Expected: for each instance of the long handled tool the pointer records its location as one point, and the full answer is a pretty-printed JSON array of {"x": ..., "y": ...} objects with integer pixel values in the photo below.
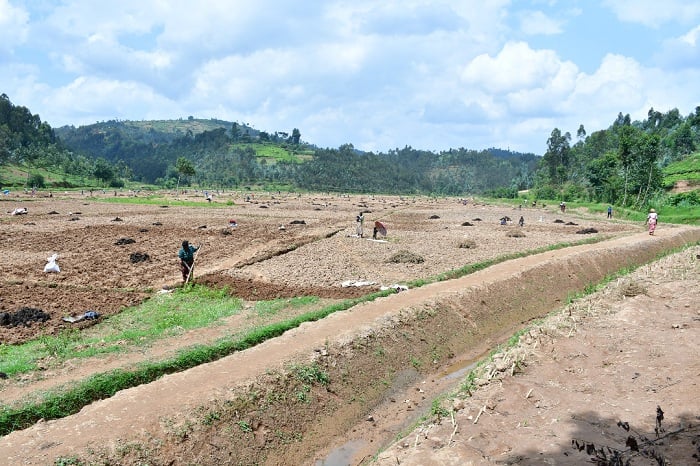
[{"x": 191, "y": 267}]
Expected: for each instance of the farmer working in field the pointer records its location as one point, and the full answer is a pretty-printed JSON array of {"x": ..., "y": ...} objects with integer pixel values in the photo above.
[{"x": 186, "y": 255}]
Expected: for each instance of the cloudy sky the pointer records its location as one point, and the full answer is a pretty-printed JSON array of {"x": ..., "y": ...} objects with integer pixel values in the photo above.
[{"x": 380, "y": 75}]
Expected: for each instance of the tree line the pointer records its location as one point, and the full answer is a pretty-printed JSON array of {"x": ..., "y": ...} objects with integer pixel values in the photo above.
[
  {"x": 619, "y": 165},
  {"x": 225, "y": 157}
]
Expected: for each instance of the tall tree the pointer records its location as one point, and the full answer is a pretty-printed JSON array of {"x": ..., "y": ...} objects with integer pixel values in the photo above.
[
  {"x": 581, "y": 133},
  {"x": 556, "y": 159},
  {"x": 624, "y": 152},
  {"x": 296, "y": 136},
  {"x": 647, "y": 148},
  {"x": 184, "y": 168},
  {"x": 103, "y": 171}
]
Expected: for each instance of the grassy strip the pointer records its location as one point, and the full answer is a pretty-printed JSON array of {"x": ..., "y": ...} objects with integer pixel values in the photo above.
[
  {"x": 161, "y": 316},
  {"x": 162, "y": 200},
  {"x": 60, "y": 404}
]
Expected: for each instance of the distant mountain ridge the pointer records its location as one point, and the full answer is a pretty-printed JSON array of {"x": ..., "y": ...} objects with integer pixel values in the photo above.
[{"x": 151, "y": 130}]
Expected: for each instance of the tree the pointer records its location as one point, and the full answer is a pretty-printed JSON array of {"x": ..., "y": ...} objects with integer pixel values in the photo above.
[
  {"x": 184, "y": 168},
  {"x": 683, "y": 140},
  {"x": 624, "y": 151},
  {"x": 556, "y": 159},
  {"x": 648, "y": 173},
  {"x": 581, "y": 133},
  {"x": 235, "y": 132},
  {"x": 296, "y": 136},
  {"x": 103, "y": 170}
]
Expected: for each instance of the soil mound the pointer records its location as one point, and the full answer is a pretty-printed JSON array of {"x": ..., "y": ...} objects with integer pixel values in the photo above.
[{"x": 24, "y": 316}]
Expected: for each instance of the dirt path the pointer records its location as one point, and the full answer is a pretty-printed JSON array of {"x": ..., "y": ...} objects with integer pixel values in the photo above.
[{"x": 145, "y": 414}]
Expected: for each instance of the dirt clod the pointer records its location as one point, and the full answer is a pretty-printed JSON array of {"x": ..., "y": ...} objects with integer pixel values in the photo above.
[
  {"x": 586, "y": 231},
  {"x": 136, "y": 257},
  {"x": 406, "y": 257}
]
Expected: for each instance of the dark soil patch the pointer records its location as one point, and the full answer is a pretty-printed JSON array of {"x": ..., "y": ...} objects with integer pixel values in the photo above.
[
  {"x": 24, "y": 316},
  {"x": 252, "y": 290},
  {"x": 123, "y": 241},
  {"x": 587, "y": 231},
  {"x": 406, "y": 257},
  {"x": 136, "y": 257}
]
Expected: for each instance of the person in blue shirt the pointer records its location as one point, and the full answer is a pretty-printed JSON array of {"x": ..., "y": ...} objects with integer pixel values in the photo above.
[
  {"x": 186, "y": 255},
  {"x": 609, "y": 211}
]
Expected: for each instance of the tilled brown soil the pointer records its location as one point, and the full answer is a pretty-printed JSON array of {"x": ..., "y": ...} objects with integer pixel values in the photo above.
[{"x": 268, "y": 405}]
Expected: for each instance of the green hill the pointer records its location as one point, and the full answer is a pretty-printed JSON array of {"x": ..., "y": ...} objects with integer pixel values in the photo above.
[{"x": 683, "y": 175}]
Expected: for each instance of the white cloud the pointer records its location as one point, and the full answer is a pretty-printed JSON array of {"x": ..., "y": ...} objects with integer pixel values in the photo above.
[
  {"x": 86, "y": 100},
  {"x": 618, "y": 82},
  {"x": 681, "y": 52},
  {"x": 536, "y": 22},
  {"x": 654, "y": 13},
  {"x": 517, "y": 67},
  {"x": 13, "y": 26}
]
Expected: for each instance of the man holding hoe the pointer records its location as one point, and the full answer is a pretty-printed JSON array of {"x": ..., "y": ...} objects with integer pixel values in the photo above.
[{"x": 186, "y": 255}]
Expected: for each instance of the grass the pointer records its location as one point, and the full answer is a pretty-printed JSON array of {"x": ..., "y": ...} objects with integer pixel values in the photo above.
[
  {"x": 15, "y": 176},
  {"x": 273, "y": 307},
  {"x": 162, "y": 316},
  {"x": 63, "y": 402},
  {"x": 271, "y": 151},
  {"x": 160, "y": 200},
  {"x": 686, "y": 170}
]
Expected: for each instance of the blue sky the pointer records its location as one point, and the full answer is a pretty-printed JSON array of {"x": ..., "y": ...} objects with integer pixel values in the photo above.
[{"x": 380, "y": 75}]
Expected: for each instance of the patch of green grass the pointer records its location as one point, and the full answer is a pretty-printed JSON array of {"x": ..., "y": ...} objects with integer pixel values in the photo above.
[
  {"x": 688, "y": 166},
  {"x": 67, "y": 461},
  {"x": 162, "y": 316},
  {"x": 436, "y": 409},
  {"x": 269, "y": 308},
  {"x": 159, "y": 199},
  {"x": 16, "y": 176},
  {"x": 245, "y": 426},
  {"x": 274, "y": 152},
  {"x": 311, "y": 374}
]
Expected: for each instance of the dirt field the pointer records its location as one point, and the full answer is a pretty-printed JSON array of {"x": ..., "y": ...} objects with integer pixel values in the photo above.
[
  {"x": 283, "y": 246},
  {"x": 270, "y": 254}
]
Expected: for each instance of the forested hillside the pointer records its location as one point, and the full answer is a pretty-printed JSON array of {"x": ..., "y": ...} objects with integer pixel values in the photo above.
[
  {"x": 228, "y": 155},
  {"x": 622, "y": 165},
  {"x": 29, "y": 143},
  {"x": 631, "y": 163}
]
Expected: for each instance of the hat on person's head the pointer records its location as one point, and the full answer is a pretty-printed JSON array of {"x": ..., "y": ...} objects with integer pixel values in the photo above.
[{"x": 652, "y": 210}]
